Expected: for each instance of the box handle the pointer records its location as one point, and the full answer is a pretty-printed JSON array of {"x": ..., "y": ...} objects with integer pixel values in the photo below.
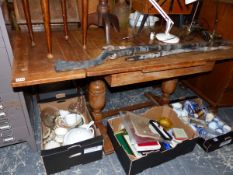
[
  {"x": 227, "y": 138},
  {"x": 226, "y": 141},
  {"x": 74, "y": 155},
  {"x": 73, "y": 146}
]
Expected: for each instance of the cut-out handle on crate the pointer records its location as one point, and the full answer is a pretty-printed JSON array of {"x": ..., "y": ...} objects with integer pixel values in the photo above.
[
  {"x": 75, "y": 155},
  {"x": 73, "y": 146}
]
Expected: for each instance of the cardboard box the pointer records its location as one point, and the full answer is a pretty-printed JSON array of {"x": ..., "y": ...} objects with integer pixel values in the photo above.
[
  {"x": 63, "y": 157},
  {"x": 134, "y": 165},
  {"x": 214, "y": 143}
]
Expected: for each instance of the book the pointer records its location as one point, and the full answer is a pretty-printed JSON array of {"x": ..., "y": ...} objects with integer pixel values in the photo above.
[
  {"x": 121, "y": 140},
  {"x": 179, "y": 134},
  {"x": 135, "y": 152},
  {"x": 144, "y": 143}
]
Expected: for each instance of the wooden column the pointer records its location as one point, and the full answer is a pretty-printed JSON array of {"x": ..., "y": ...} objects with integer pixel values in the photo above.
[
  {"x": 168, "y": 87},
  {"x": 46, "y": 17},
  {"x": 96, "y": 98},
  {"x": 28, "y": 20}
]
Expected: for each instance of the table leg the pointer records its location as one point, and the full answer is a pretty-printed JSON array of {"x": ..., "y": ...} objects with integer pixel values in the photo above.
[
  {"x": 168, "y": 87},
  {"x": 96, "y": 98},
  {"x": 28, "y": 20},
  {"x": 46, "y": 17},
  {"x": 84, "y": 22},
  {"x": 64, "y": 16},
  {"x": 101, "y": 18}
]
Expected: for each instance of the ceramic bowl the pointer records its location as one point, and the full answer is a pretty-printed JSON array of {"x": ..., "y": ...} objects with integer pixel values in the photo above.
[
  {"x": 51, "y": 144},
  {"x": 79, "y": 134}
]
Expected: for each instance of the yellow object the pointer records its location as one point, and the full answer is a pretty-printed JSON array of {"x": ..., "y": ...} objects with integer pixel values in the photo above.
[{"x": 166, "y": 123}]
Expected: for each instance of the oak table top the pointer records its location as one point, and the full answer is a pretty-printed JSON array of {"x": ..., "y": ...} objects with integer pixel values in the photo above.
[{"x": 32, "y": 67}]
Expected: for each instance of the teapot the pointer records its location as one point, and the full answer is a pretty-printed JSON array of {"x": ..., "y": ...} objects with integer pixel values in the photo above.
[{"x": 79, "y": 134}]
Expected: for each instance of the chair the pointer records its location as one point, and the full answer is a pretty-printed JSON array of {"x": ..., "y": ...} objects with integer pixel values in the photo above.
[{"x": 46, "y": 18}]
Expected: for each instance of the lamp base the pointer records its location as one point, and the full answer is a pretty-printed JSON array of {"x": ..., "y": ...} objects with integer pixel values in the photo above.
[{"x": 167, "y": 38}]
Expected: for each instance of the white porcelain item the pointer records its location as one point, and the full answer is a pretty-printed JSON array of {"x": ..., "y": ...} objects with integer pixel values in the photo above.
[
  {"x": 136, "y": 16},
  {"x": 209, "y": 117},
  {"x": 226, "y": 128},
  {"x": 72, "y": 119},
  {"x": 177, "y": 106},
  {"x": 79, "y": 134},
  {"x": 63, "y": 113},
  {"x": 213, "y": 125},
  {"x": 59, "y": 139},
  {"x": 60, "y": 133},
  {"x": 51, "y": 144}
]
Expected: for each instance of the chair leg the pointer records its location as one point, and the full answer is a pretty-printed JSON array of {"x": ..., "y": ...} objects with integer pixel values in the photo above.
[
  {"x": 64, "y": 15},
  {"x": 46, "y": 16},
  {"x": 28, "y": 20}
]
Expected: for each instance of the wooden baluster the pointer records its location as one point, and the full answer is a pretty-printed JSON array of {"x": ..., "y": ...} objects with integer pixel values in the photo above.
[
  {"x": 168, "y": 87},
  {"x": 96, "y": 98},
  {"x": 46, "y": 17},
  {"x": 28, "y": 20},
  {"x": 64, "y": 16}
]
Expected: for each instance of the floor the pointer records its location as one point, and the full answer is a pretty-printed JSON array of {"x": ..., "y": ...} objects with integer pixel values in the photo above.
[{"x": 20, "y": 160}]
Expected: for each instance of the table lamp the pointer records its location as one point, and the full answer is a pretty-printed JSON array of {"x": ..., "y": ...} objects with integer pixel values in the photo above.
[
  {"x": 166, "y": 36},
  {"x": 194, "y": 14}
]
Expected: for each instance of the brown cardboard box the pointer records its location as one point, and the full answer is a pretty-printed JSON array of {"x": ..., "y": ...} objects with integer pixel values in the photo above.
[
  {"x": 134, "y": 165},
  {"x": 64, "y": 157}
]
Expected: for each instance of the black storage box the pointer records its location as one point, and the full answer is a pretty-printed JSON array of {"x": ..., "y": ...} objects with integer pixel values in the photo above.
[
  {"x": 214, "y": 143},
  {"x": 64, "y": 157},
  {"x": 134, "y": 166}
]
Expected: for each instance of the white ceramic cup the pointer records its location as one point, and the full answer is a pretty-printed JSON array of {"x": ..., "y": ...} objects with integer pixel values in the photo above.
[
  {"x": 70, "y": 119},
  {"x": 73, "y": 119},
  {"x": 51, "y": 144},
  {"x": 60, "y": 133}
]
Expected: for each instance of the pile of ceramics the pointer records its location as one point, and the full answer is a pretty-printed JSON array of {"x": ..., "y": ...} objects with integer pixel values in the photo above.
[
  {"x": 205, "y": 123},
  {"x": 135, "y": 20},
  {"x": 62, "y": 127}
]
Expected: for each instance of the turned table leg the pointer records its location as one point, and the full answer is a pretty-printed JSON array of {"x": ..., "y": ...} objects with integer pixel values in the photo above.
[
  {"x": 64, "y": 16},
  {"x": 28, "y": 20},
  {"x": 168, "y": 87},
  {"x": 46, "y": 17},
  {"x": 96, "y": 98}
]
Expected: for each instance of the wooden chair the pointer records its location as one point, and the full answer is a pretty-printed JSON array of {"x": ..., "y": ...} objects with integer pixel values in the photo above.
[{"x": 46, "y": 18}]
